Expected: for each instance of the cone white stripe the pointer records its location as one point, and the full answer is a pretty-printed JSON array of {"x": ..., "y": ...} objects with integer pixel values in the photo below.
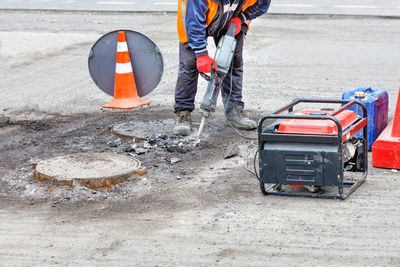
[
  {"x": 123, "y": 68},
  {"x": 122, "y": 47}
]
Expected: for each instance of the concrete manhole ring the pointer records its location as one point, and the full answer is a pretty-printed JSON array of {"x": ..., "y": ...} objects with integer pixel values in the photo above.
[
  {"x": 94, "y": 170},
  {"x": 141, "y": 130}
]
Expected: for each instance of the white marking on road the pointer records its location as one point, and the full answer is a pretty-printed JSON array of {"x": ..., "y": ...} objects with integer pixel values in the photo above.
[
  {"x": 165, "y": 3},
  {"x": 292, "y": 5},
  {"x": 338, "y": 6},
  {"x": 115, "y": 3},
  {"x": 123, "y": 68}
]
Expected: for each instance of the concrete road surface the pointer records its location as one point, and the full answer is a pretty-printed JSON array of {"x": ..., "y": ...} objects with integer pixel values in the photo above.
[
  {"x": 203, "y": 211},
  {"x": 352, "y": 7}
]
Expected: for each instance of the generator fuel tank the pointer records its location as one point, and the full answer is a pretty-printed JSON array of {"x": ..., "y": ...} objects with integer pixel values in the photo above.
[{"x": 317, "y": 127}]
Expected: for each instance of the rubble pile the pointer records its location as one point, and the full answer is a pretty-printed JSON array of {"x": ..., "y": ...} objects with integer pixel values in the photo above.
[{"x": 157, "y": 142}]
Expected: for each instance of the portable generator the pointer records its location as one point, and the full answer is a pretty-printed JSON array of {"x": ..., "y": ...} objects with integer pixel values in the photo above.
[{"x": 307, "y": 153}]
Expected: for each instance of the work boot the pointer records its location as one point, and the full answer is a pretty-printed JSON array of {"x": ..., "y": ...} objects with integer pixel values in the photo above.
[
  {"x": 183, "y": 124},
  {"x": 236, "y": 117}
]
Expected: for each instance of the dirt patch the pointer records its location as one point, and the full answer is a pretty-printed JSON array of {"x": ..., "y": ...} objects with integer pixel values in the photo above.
[{"x": 170, "y": 166}]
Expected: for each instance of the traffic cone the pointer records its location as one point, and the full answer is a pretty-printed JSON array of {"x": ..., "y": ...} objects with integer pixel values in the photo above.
[
  {"x": 125, "y": 91},
  {"x": 386, "y": 149}
]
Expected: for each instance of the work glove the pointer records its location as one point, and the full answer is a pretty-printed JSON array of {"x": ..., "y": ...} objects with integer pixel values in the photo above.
[
  {"x": 204, "y": 63},
  {"x": 238, "y": 23}
]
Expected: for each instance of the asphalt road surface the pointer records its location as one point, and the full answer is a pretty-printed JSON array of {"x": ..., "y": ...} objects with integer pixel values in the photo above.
[
  {"x": 352, "y": 7},
  {"x": 214, "y": 214}
]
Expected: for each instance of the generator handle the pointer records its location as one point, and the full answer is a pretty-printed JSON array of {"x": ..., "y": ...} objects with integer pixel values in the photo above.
[{"x": 348, "y": 103}]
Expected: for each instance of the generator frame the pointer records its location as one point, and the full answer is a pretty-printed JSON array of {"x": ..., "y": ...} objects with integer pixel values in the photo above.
[{"x": 345, "y": 187}]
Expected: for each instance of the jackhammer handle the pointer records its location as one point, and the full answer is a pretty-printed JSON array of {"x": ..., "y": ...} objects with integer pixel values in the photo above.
[
  {"x": 205, "y": 76},
  {"x": 231, "y": 30}
]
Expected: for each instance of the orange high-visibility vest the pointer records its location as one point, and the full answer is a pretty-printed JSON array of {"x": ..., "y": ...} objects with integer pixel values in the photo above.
[{"x": 212, "y": 12}]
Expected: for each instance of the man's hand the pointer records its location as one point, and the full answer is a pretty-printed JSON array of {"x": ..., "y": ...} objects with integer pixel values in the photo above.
[
  {"x": 204, "y": 63},
  {"x": 238, "y": 23}
]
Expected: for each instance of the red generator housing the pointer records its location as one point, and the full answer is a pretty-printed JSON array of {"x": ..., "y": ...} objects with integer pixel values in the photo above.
[{"x": 313, "y": 148}]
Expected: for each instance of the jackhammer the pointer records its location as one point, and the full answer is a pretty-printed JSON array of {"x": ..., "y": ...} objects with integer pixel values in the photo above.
[{"x": 223, "y": 57}]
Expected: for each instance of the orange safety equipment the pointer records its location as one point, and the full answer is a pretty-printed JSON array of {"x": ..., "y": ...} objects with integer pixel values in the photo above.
[
  {"x": 215, "y": 10},
  {"x": 204, "y": 63},
  {"x": 125, "y": 91},
  {"x": 238, "y": 23}
]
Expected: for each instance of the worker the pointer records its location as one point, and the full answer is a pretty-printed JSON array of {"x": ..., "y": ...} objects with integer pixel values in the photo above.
[{"x": 197, "y": 20}]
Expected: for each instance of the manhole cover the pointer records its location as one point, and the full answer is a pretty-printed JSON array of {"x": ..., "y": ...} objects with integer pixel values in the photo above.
[
  {"x": 95, "y": 170},
  {"x": 141, "y": 130}
]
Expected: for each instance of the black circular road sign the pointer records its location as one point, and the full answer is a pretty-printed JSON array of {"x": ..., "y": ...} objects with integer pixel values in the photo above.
[{"x": 146, "y": 59}]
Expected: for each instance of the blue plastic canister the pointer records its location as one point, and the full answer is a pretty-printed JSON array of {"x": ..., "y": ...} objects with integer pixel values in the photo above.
[{"x": 377, "y": 102}]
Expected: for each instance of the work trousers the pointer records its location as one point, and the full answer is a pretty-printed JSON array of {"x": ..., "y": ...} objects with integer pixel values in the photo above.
[{"x": 186, "y": 85}]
